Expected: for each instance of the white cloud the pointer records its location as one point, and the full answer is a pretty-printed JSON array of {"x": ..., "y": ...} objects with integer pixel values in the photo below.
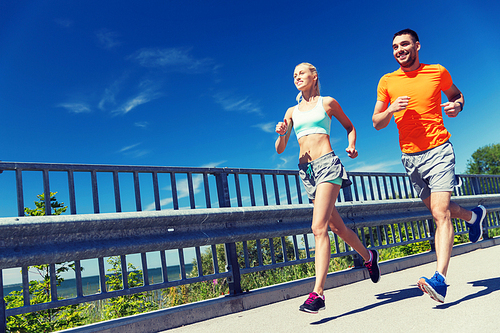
[
  {"x": 66, "y": 23},
  {"x": 173, "y": 59},
  {"x": 242, "y": 104},
  {"x": 76, "y": 107},
  {"x": 132, "y": 103},
  {"x": 142, "y": 124},
  {"x": 109, "y": 94},
  {"x": 133, "y": 152},
  {"x": 267, "y": 127},
  {"x": 141, "y": 98},
  {"x": 124, "y": 149},
  {"x": 213, "y": 164},
  {"x": 286, "y": 161},
  {"x": 107, "y": 39}
]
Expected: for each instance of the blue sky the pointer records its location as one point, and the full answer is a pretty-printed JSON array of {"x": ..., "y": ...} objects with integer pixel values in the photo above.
[{"x": 191, "y": 83}]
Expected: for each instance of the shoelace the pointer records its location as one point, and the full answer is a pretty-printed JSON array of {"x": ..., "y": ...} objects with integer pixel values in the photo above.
[
  {"x": 312, "y": 297},
  {"x": 369, "y": 265}
]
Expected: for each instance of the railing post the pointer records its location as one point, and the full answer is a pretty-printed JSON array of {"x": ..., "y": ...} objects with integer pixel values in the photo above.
[
  {"x": 222, "y": 189},
  {"x": 3, "y": 318},
  {"x": 358, "y": 260},
  {"x": 234, "y": 281},
  {"x": 432, "y": 233},
  {"x": 232, "y": 264},
  {"x": 476, "y": 186}
]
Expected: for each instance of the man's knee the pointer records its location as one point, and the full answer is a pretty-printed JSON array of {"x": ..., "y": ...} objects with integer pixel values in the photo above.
[{"x": 441, "y": 217}]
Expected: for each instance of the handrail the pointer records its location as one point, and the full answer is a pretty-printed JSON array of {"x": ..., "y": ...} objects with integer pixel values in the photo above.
[
  {"x": 34, "y": 240},
  {"x": 194, "y": 188},
  {"x": 207, "y": 207}
]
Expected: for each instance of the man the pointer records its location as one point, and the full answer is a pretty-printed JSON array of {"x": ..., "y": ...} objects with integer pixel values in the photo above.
[{"x": 413, "y": 95}]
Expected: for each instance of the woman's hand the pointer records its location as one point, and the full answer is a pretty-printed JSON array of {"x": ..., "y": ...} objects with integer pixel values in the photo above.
[
  {"x": 351, "y": 152},
  {"x": 282, "y": 127}
]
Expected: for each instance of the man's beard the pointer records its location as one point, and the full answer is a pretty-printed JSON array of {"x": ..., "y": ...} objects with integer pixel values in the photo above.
[{"x": 409, "y": 62}]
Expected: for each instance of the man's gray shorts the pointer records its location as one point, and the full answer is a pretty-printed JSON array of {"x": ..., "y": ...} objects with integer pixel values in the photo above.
[
  {"x": 431, "y": 170},
  {"x": 323, "y": 169}
]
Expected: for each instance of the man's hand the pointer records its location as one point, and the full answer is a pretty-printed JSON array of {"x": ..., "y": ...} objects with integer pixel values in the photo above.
[
  {"x": 452, "y": 109},
  {"x": 399, "y": 104}
]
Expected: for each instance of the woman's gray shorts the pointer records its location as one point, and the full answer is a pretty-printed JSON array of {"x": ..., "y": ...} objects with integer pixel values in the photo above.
[
  {"x": 323, "y": 169},
  {"x": 431, "y": 170}
]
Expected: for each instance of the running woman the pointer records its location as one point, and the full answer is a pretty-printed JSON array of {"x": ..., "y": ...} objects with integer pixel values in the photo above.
[{"x": 322, "y": 174}]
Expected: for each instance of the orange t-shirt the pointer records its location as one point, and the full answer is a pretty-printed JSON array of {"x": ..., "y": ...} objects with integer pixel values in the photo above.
[{"x": 421, "y": 125}]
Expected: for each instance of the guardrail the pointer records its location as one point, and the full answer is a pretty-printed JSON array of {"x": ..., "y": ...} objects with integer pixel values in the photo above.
[{"x": 370, "y": 208}]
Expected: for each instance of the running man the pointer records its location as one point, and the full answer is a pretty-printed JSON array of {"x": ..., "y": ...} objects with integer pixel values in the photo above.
[{"x": 413, "y": 95}]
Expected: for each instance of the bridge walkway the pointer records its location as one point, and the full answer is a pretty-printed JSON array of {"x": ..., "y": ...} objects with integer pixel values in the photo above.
[{"x": 394, "y": 304}]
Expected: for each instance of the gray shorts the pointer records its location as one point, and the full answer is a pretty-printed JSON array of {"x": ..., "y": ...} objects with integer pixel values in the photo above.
[
  {"x": 323, "y": 169},
  {"x": 431, "y": 170}
]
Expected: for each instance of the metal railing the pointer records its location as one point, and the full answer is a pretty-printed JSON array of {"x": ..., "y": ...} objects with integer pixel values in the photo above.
[
  {"x": 191, "y": 209},
  {"x": 200, "y": 187}
]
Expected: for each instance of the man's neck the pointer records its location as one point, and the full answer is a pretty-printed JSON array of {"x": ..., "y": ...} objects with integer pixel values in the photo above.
[{"x": 413, "y": 67}]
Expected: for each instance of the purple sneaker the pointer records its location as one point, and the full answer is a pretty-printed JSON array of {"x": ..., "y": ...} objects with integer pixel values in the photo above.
[
  {"x": 313, "y": 304},
  {"x": 373, "y": 268}
]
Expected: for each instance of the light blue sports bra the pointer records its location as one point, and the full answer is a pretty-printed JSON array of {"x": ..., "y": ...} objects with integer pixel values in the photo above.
[{"x": 314, "y": 121}]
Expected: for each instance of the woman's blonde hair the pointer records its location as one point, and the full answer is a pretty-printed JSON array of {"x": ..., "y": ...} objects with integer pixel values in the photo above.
[{"x": 313, "y": 70}]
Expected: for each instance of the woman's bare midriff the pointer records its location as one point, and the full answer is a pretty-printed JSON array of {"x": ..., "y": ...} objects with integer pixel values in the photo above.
[{"x": 313, "y": 146}]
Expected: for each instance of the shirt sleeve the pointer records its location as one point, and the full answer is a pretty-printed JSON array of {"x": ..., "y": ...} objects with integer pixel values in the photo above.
[
  {"x": 382, "y": 93},
  {"x": 446, "y": 80}
]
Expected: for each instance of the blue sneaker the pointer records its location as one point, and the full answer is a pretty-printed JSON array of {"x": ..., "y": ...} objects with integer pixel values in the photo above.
[
  {"x": 476, "y": 229},
  {"x": 435, "y": 287}
]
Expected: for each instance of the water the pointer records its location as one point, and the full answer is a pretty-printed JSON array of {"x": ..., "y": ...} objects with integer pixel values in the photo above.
[{"x": 91, "y": 283}]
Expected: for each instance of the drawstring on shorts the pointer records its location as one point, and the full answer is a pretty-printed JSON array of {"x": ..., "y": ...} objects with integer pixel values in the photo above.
[{"x": 309, "y": 170}]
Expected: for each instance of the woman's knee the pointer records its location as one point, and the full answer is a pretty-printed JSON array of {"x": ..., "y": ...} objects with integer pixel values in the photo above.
[{"x": 319, "y": 229}]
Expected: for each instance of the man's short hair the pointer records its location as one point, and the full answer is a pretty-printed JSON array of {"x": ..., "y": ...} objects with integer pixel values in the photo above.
[{"x": 410, "y": 32}]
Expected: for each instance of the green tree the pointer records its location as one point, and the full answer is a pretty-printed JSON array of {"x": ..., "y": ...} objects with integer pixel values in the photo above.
[
  {"x": 47, "y": 320},
  {"x": 485, "y": 161},
  {"x": 127, "y": 305},
  {"x": 57, "y": 207},
  {"x": 39, "y": 290}
]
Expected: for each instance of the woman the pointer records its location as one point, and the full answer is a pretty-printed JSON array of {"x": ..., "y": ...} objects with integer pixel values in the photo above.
[{"x": 322, "y": 174}]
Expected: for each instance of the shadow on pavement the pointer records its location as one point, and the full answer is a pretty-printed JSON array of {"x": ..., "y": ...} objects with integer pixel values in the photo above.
[
  {"x": 388, "y": 297},
  {"x": 491, "y": 285}
]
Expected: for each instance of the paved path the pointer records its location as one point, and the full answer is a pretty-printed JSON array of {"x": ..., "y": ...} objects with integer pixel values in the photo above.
[{"x": 394, "y": 304}]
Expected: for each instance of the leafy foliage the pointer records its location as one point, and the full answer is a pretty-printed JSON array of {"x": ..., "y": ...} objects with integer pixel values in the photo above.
[
  {"x": 217, "y": 287},
  {"x": 485, "y": 161},
  {"x": 57, "y": 207},
  {"x": 46, "y": 320},
  {"x": 39, "y": 290},
  {"x": 127, "y": 305}
]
